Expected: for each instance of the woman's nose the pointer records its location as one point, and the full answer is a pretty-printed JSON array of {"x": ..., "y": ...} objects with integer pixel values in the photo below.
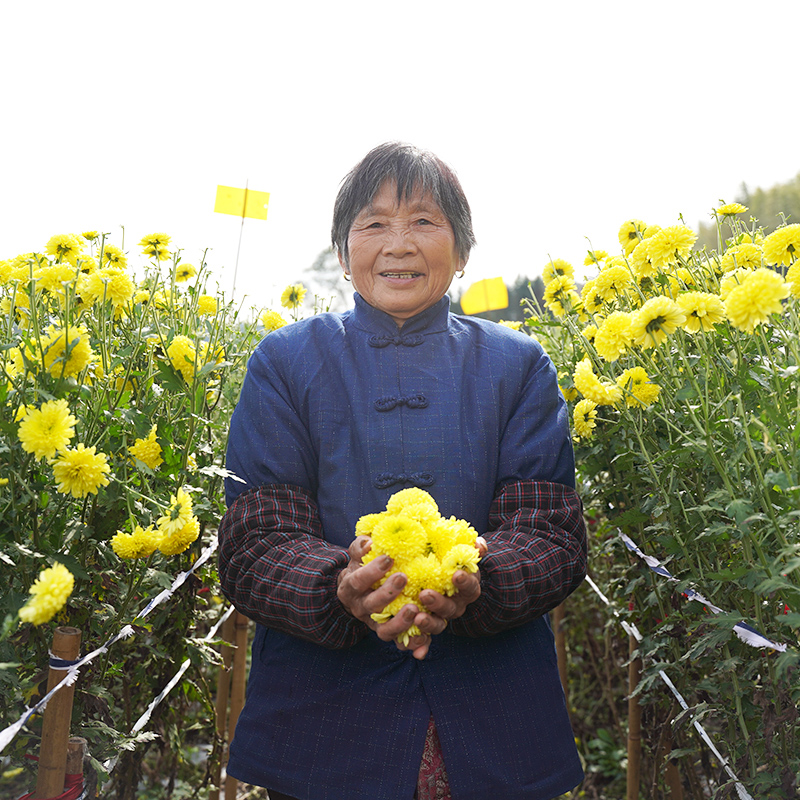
[{"x": 399, "y": 242}]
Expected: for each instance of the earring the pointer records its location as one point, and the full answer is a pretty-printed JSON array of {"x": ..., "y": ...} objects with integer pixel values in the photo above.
[
  {"x": 346, "y": 276},
  {"x": 460, "y": 273}
]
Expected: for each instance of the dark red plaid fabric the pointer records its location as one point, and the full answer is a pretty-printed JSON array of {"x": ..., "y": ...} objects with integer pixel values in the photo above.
[
  {"x": 536, "y": 558},
  {"x": 276, "y": 568}
]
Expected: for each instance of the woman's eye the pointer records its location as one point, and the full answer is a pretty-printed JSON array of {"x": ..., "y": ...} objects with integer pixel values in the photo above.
[
  {"x": 375, "y": 225},
  {"x": 424, "y": 221}
]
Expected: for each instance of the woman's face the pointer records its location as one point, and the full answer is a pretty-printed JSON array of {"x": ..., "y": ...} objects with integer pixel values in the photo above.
[{"x": 402, "y": 254}]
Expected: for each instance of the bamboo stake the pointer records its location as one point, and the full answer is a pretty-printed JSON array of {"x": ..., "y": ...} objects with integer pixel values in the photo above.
[
  {"x": 241, "y": 625},
  {"x": 634, "y": 725},
  {"x": 558, "y": 614},
  {"x": 223, "y": 690},
  {"x": 56, "y": 719}
]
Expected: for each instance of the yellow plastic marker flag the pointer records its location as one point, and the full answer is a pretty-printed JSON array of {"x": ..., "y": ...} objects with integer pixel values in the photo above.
[
  {"x": 485, "y": 295},
  {"x": 241, "y": 202}
]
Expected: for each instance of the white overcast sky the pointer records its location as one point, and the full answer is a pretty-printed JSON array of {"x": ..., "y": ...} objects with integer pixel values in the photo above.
[{"x": 562, "y": 119}]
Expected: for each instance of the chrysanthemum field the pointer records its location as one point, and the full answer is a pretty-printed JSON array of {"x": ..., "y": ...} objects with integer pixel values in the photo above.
[
  {"x": 681, "y": 371},
  {"x": 120, "y": 368}
]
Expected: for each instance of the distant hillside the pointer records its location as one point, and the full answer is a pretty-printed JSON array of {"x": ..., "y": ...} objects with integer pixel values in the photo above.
[{"x": 765, "y": 205}]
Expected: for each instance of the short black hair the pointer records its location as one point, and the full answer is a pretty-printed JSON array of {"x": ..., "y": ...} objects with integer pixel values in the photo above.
[{"x": 410, "y": 169}]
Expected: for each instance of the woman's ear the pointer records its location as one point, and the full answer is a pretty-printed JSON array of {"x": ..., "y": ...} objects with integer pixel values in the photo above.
[{"x": 343, "y": 262}]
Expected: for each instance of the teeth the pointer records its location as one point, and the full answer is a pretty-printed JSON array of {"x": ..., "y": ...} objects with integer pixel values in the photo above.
[{"x": 400, "y": 274}]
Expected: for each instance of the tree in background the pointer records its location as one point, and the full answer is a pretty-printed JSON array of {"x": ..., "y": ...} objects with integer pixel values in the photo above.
[{"x": 769, "y": 206}]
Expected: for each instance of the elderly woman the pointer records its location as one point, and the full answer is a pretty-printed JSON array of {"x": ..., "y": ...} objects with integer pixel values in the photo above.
[{"x": 336, "y": 414}]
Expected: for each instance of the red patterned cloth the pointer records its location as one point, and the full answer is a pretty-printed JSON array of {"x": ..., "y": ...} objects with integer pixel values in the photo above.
[{"x": 432, "y": 782}]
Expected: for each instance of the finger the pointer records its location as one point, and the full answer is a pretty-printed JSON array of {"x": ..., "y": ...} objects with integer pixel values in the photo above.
[
  {"x": 483, "y": 547},
  {"x": 359, "y": 547},
  {"x": 431, "y": 624},
  {"x": 361, "y": 579},
  {"x": 398, "y": 624},
  {"x": 468, "y": 585}
]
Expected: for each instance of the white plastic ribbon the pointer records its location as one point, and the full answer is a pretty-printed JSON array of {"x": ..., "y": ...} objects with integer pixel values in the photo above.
[
  {"x": 632, "y": 630},
  {"x": 8, "y": 734},
  {"x": 745, "y": 632}
]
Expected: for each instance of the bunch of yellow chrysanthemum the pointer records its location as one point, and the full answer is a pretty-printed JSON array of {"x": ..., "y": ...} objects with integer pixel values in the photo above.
[{"x": 423, "y": 545}]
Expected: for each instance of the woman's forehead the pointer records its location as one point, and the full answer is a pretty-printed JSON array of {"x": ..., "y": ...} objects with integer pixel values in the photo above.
[{"x": 386, "y": 201}]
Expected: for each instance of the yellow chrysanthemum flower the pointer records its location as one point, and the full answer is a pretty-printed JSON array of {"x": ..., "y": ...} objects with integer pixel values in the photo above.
[
  {"x": 613, "y": 281},
  {"x": 409, "y": 497},
  {"x": 293, "y": 295},
  {"x": 569, "y": 393},
  {"x": 584, "y": 418},
  {"x": 746, "y": 255},
  {"x": 658, "y": 318},
  {"x": 206, "y": 304},
  {"x": 558, "y": 268},
  {"x": 507, "y": 323},
  {"x": 793, "y": 279},
  {"x": 182, "y": 355},
  {"x": 184, "y": 272},
  {"x": 614, "y": 336},
  {"x": 444, "y": 534},
  {"x": 109, "y": 284},
  {"x": 639, "y": 389},
  {"x": 90, "y": 236},
  {"x": 733, "y": 279},
  {"x": 591, "y": 298},
  {"x": 602, "y": 392},
  {"x": 66, "y": 353},
  {"x": 783, "y": 245},
  {"x": 755, "y": 299},
  {"x": 560, "y": 295},
  {"x": 65, "y": 247},
  {"x": 46, "y": 430},
  {"x": 53, "y": 277},
  {"x": 178, "y": 514},
  {"x": 589, "y": 332},
  {"x": 367, "y": 523},
  {"x": 148, "y": 450},
  {"x": 155, "y": 244},
  {"x": 114, "y": 257},
  {"x": 400, "y": 538},
  {"x": 180, "y": 538},
  {"x": 461, "y": 556},
  {"x": 641, "y": 261},
  {"x": 669, "y": 244},
  {"x": 630, "y": 234},
  {"x": 80, "y": 471},
  {"x": 729, "y": 209},
  {"x": 49, "y": 595},
  {"x": 703, "y": 310},
  {"x": 426, "y": 572},
  {"x": 142, "y": 543},
  {"x": 594, "y": 257},
  {"x": 272, "y": 320}
]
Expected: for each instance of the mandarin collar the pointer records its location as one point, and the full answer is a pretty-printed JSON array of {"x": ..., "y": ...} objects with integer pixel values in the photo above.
[{"x": 373, "y": 320}]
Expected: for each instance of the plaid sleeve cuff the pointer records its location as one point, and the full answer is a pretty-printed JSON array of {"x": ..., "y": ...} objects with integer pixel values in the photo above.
[
  {"x": 276, "y": 568},
  {"x": 536, "y": 556}
]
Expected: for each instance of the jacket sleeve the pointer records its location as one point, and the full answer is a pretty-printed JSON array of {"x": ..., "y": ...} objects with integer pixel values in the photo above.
[
  {"x": 277, "y": 570},
  {"x": 536, "y": 556}
]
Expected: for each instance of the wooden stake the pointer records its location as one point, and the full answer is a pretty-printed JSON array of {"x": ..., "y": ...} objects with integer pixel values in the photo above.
[
  {"x": 223, "y": 691},
  {"x": 56, "y": 719},
  {"x": 634, "y": 725},
  {"x": 557, "y": 618},
  {"x": 237, "y": 690},
  {"x": 76, "y": 750}
]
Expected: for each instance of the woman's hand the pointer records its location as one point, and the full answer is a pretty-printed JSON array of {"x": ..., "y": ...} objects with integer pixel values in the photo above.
[{"x": 356, "y": 594}]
